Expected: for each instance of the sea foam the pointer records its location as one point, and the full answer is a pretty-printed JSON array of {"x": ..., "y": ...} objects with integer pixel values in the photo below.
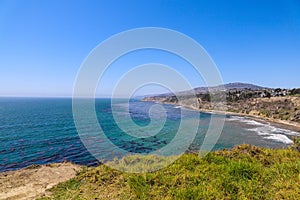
[{"x": 266, "y": 130}]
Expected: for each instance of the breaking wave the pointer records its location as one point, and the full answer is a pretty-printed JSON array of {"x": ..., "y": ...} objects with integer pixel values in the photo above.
[{"x": 266, "y": 130}]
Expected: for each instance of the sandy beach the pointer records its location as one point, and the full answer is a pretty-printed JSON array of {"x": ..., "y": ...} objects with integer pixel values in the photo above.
[{"x": 294, "y": 126}]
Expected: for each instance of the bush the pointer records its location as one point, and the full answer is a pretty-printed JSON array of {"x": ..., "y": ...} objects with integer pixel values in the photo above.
[
  {"x": 295, "y": 91},
  {"x": 296, "y": 144}
]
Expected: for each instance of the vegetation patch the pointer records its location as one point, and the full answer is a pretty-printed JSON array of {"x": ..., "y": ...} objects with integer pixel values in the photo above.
[{"x": 244, "y": 172}]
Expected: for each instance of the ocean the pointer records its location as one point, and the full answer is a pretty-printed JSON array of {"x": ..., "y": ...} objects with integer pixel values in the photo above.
[{"x": 42, "y": 130}]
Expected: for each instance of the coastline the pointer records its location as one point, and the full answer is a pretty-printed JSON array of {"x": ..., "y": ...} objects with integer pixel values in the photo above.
[
  {"x": 287, "y": 124},
  {"x": 35, "y": 180},
  {"x": 294, "y": 126}
]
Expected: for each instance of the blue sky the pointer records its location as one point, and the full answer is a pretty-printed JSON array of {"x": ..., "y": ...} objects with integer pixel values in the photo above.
[{"x": 43, "y": 43}]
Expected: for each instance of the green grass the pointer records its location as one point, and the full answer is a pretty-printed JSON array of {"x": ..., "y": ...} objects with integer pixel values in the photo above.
[{"x": 245, "y": 172}]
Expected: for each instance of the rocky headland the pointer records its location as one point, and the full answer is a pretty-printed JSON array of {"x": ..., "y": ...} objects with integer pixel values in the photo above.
[{"x": 276, "y": 105}]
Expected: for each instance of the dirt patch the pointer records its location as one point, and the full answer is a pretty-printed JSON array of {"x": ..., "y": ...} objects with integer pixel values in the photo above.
[{"x": 33, "y": 181}]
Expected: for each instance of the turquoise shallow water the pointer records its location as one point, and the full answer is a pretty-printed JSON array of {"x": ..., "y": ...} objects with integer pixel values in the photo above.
[{"x": 41, "y": 130}]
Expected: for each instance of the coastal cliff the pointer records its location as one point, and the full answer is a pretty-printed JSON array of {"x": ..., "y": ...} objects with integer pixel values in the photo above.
[{"x": 280, "y": 105}]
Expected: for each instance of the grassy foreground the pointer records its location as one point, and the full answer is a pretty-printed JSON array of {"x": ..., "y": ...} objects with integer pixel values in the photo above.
[{"x": 244, "y": 172}]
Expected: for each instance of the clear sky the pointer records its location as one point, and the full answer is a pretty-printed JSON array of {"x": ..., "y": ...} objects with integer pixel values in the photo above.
[{"x": 43, "y": 43}]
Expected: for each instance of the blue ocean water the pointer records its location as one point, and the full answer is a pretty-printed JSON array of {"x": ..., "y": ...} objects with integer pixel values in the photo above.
[{"x": 42, "y": 130}]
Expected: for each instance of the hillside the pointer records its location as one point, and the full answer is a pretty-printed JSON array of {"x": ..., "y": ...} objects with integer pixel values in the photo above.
[
  {"x": 230, "y": 86},
  {"x": 244, "y": 172},
  {"x": 241, "y": 98}
]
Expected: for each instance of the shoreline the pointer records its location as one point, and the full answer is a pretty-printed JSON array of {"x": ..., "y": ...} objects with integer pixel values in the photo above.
[
  {"x": 33, "y": 181},
  {"x": 293, "y": 126},
  {"x": 289, "y": 125}
]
